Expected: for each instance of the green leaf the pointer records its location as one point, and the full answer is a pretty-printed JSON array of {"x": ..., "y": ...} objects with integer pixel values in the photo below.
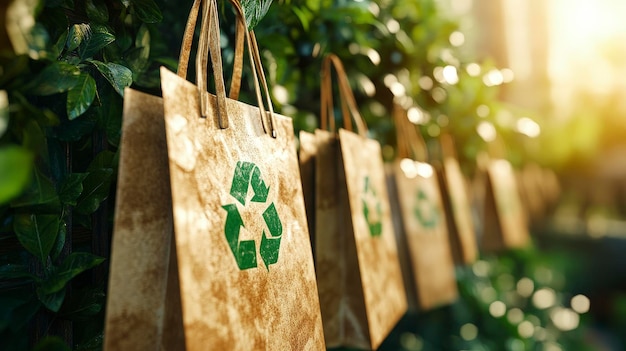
[
  {"x": 255, "y": 10},
  {"x": 84, "y": 304},
  {"x": 71, "y": 188},
  {"x": 97, "y": 11},
  {"x": 80, "y": 97},
  {"x": 56, "y": 49},
  {"x": 53, "y": 301},
  {"x": 41, "y": 191},
  {"x": 56, "y": 78},
  {"x": 73, "y": 265},
  {"x": 147, "y": 11},
  {"x": 77, "y": 34},
  {"x": 76, "y": 129},
  {"x": 100, "y": 38},
  {"x": 137, "y": 58},
  {"x": 118, "y": 75},
  {"x": 95, "y": 190},
  {"x": 37, "y": 233},
  {"x": 13, "y": 271},
  {"x": 51, "y": 343},
  {"x": 60, "y": 242},
  {"x": 17, "y": 307},
  {"x": 16, "y": 165}
]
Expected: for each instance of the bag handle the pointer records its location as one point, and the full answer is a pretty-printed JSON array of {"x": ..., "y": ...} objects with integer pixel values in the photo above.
[
  {"x": 260, "y": 81},
  {"x": 348, "y": 102},
  {"x": 209, "y": 47},
  {"x": 411, "y": 144},
  {"x": 448, "y": 149},
  {"x": 185, "y": 50}
]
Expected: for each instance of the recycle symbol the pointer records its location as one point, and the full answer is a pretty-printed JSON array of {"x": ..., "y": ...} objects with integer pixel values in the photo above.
[
  {"x": 372, "y": 209},
  {"x": 425, "y": 211},
  {"x": 247, "y": 175}
]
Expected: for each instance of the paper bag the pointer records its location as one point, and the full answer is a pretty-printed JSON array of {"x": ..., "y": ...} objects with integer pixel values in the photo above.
[
  {"x": 457, "y": 205},
  {"x": 505, "y": 224},
  {"x": 359, "y": 278},
  {"x": 137, "y": 314},
  {"x": 247, "y": 280},
  {"x": 306, "y": 156},
  {"x": 422, "y": 230}
]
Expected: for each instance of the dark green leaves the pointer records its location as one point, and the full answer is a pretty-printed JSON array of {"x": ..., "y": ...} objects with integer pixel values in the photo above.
[
  {"x": 37, "y": 233},
  {"x": 97, "y": 11},
  {"x": 147, "y": 11},
  {"x": 100, "y": 38},
  {"x": 95, "y": 190},
  {"x": 52, "y": 343},
  {"x": 51, "y": 291},
  {"x": 15, "y": 169},
  {"x": 80, "y": 97},
  {"x": 71, "y": 188},
  {"x": 118, "y": 75},
  {"x": 73, "y": 265},
  {"x": 255, "y": 10},
  {"x": 58, "y": 77}
]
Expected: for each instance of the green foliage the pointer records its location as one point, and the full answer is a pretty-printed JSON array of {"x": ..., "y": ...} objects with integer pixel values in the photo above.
[{"x": 60, "y": 119}]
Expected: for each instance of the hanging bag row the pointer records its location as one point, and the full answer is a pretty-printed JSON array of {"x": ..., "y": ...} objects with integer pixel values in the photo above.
[
  {"x": 359, "y": 278},
  {"x": 241, "y": 261},
  {"x": 420, "y": 219}
]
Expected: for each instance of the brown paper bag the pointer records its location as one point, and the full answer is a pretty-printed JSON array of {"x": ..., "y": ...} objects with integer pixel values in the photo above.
[
  {"x": 137, "y": 315},
  {"x": 457, "y": 205},
  {"x": 247, "y": 280},
  {"x": 505, "y": 224},
  {"x": 422, "y": 230},
  {"x": 307, "y": 155},
  {"x": 359, "y": 277}
]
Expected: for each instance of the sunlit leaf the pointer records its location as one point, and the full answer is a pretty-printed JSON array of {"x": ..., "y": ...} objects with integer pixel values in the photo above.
[
  {"x": 15, "y": 170},
  {"x": 255, "y": 10},
  {"x": 37, "y": 233},
  {"x": 147, "y": 11},
  {"x": 118, "y": 75},
  {"x": 100, "y": 37},
  {"x": 77, "y": 34},
  {"x": 80, "y": 97}
]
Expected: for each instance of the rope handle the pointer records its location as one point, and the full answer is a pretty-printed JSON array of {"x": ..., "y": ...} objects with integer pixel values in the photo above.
[
  {"x": 348, "y": 102},
  {"x": 411, "y": 144},
  {"x": 185, "y": 50}
]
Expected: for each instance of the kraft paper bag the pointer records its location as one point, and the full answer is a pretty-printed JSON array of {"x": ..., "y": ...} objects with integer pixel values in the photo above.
[
  {"x": 457, "y": 204},
  {"x": 247, "y": 280},
  {"x": 306, "y": 156},
  {"x": 359, "y": 278},
  {"x": 142, "y": 306},
  {"x": 421, "y": 226},
  {"x": 505, "y": 223}
]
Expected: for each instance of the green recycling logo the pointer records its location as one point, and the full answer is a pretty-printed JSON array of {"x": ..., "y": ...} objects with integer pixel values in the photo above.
[
  {"x": 372, "y": 209},
  {"x": 425, "y": 211},
  {"x": 248, "y": 175}
]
